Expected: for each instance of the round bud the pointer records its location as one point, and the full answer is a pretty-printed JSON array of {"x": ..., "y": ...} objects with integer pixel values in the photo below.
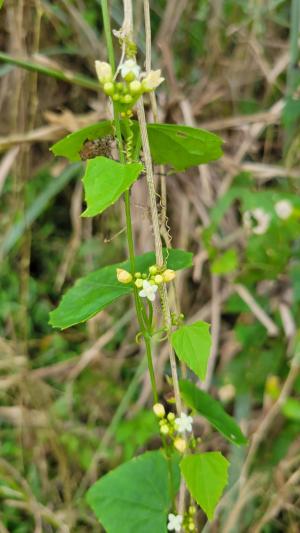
[
  {"x": 130, "y": 76},
  {"x": 109, "y": 88},
  {"x": 159, "y": 410},
  {"x": 138, "y": 283},
  {"x": 123, "y": 276},
  {"x": 153, "y": 270},
  {"x": 171, "y": 417},
  {"x": 169, "y": 275},
  {"x": 135, "y": 87},
  {"x": 137, "y": 275},
  {"x": 180, "y": 444},
  {"x": 158, "y": 279},
  {"x": 126, "y": 99},
  {"x": 164, "y": 429},
  {"x": 116, "y": 97},
  {"x": 192, "y": 509}
]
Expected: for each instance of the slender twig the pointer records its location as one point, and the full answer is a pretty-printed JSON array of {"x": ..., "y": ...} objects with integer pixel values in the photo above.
[
  {"x": 158, "y": 243},
  {"x": 66, "y": 75}
]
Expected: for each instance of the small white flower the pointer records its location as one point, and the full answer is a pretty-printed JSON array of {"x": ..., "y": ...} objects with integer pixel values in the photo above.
[
  {"x": 184, "y": 423},
  {"x": 130, "y": 67},
  {"x": 174, "y": 522},
  {"x": 152, "y": 80},
  {"x": 103, "y": 71},
  {"x": 148, "y": 291},
  {"x": 283, "y": 209},
  {"x": 261, "y": 219}
]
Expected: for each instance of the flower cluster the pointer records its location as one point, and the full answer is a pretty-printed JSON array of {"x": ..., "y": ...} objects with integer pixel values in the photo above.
[
  {"x": 176, "y": 522},
  {"x": 173, "y": 427},
  {"x": 258, "y": 220},
  {"x": 283, "y": 209},
  {"x": 147, "y": 283},
  {"x": 133, "y": 84}
]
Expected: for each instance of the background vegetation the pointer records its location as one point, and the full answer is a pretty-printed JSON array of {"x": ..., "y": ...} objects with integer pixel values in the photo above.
[{"x": 74, "y": 404}]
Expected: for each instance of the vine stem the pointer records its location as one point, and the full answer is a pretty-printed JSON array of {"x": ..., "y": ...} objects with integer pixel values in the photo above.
[
  {"x": 158, "y": 246},
  {"x": 129, "y": 231}
]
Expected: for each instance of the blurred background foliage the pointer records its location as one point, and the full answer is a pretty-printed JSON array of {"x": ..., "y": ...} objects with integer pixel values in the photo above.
[{"x": 74, "y": 404}]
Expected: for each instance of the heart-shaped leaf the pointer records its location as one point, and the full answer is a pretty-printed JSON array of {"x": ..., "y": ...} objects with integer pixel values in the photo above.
[
  {"x": 206, "y": 475},
  {"x": 100, "y": 288},
  {"x": 192, "y": 344},
  {"x": 105, "y": 180},
  {"x": 135, "y": 497}
]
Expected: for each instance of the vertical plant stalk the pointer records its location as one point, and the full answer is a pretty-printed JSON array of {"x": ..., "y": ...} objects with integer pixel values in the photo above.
[
  {"x": 129, "y": 231},
  {"x": 158, "y": 245}
]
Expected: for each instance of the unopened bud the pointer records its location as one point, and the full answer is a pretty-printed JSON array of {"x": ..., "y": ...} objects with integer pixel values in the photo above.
[
  {"x": 164, "y": 429},
  {"x": 104, "y": 71},
  {"x": 109, "y": 88},
  {"x": 126, "y": 99},
  {"x": 153, "y": 270},
  {"x": 171, "y": 417},
  {"x": 135, "y": 87},
  {"x": 159, "y": 410},
  {"x": 180, "y": 444},
  {"x": 123, "y": 276},
  {"x": 138, "y": 283},
  {"x": 158, "y": 279},
  {"x": 169, "y": 275}
]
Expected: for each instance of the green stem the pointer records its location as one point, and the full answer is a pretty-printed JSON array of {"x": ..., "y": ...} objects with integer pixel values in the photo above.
[
  {"x": 107, "y": 31},
  {"x": 129, "y": 232},
  {"x": 150, "y": 367},
  {"x": 67, "y": 76}
]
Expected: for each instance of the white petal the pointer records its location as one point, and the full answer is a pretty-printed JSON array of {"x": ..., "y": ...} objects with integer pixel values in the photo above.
[
  {"x": 151, "y": 297},
  {"x": 143, "y": 294}
]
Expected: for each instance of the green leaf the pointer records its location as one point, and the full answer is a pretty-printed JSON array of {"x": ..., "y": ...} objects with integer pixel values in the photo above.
[
  {"x": 104, "y": 181},
  {"x": 213, "y": 411},
  {"x": 182, "y": 147},
  {"x": 225, "y": 263},
  {"x": 100, "y": 288},
  {"x": 135, "y": 496},
  {"x": 72, "y": 144},
  {"x": 192, "y": 345},
  {"x": 179, "y": 146},
  {"x": 206, "y": 475},
  {"x": 291, "y": 409}
]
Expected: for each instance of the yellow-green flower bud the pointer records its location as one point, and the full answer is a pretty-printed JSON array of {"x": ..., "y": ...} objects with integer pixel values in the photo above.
[
  {"x": 116, "y": 97},
  {"x": 192, "y": 509},
  {"x": 104, "y": 71},
  {"x": 153, "y": 270},
  {"x": 135, "y": 87},
  {"x": 158, "y": 279},
  {"x": 191, "y": 527},
  {"x": 171, "y": 417},
  {"x": 180, "y": 444},
  {"x": 126, "y": 99},
  {"x": 159, "y": 410},
  {"x": 109, "y": 88},
  {"x": 137, "y": 275},
  {"x": 164, "y": 429},
  {"x": 138, "y": 283},
  {"x": 123, "y": 276},
  {"x": 169, "y": 275}
]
